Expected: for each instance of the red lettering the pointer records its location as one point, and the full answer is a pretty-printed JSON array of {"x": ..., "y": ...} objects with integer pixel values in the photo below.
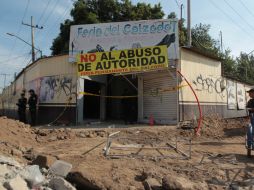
[{"x": 87, "y": 58}]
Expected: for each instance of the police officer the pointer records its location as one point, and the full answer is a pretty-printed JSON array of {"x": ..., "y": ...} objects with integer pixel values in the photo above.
[
  {"x": 32, "y": 102},
  {"x": 22, "y": 107},
  {"x": 250, "y": 105},
  {"x": 250, "y": 132}
]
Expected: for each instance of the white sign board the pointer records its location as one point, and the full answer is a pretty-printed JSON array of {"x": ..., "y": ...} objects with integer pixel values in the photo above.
[
  {"x": 241, "y": 101},
  {"x": 231, "y": 92},
  {"x": 124, "y": 35}
]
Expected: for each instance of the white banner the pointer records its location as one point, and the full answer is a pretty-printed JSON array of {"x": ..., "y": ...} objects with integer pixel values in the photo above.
[
  {"x": 124, "y": 35},
  {"x": 231, "y": 91},
  {"x": 241, "y": 101}
]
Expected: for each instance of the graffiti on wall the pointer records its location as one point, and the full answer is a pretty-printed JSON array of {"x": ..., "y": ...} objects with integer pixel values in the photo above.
[
  {"x": 231, "y": 92},
  {"x": 209, "y": 84},
  {"x": 53, "y": 88},
  {"x": 241, "y": 101}
]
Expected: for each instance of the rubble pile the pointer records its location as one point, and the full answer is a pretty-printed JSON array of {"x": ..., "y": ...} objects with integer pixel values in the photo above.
[
  {"x": 217, "y": 127},
  {"x": 15, "y": 176}
]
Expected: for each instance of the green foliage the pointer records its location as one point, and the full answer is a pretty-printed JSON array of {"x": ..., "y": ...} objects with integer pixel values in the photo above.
[{"x": 101, "y": 11}]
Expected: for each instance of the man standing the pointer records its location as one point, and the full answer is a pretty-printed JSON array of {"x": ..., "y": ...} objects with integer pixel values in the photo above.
[
  {"x": 22, "y": 107},
  {"x": 32, "y": 102},
  {"x": 250, "y": 132}
]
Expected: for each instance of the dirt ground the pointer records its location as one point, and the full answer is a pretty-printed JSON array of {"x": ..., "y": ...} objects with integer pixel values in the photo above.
[{"x": 218, "y": 156}]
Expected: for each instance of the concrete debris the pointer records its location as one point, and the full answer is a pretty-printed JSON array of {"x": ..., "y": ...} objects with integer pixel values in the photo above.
[
  {"x": 9, "y": 161},
  {"x": 2, "y": 187},
  {"x": 32, "y": 175},
  {"x": 60, "y": 168},
  {"x": 16, "y": 183},
  {"x": 151, "y": 184},
  {"x": 4, "y": 170},
  {"x": 59, "y": 183},
  {"x": 44, "y": 161}
]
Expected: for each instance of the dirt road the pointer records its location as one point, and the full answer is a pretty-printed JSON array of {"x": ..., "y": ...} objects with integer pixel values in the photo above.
[{"x": 218, "y": 156}]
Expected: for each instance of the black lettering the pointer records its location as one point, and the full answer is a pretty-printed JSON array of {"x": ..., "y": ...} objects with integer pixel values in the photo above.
[
  {"x": 144, "y": 61},
  {"x": 110, "y": 56},
  {"x": 104, "y": 56},
  {"x": 131, "y": 62},
  {"x": 99, "y": 66},
  {"x": 148, "y": 52},
  {"x": 131, "y": 53},
  {"x": 80, "y": 67},
  {"x": 122, "y": 55},
  {"x": 152, "y": 61},
  {"x": 106, "y": 64},
  {"x": 87, "y": 66},
  {"x": 139, "y": 52},
  {"x": 161, "y": 59},
  {"x": 156, "y": 51},
  {"x": 115, "y": 63},
  {"x": 123, "y": 63}
]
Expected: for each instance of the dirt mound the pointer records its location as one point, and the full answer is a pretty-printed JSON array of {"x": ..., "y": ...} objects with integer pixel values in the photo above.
[
  {"x": 16, "y": 138},
  {"x": 217, "y": 127}
]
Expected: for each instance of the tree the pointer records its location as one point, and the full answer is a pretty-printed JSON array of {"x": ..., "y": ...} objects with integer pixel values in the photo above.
[{"x": 101, "y": 11}]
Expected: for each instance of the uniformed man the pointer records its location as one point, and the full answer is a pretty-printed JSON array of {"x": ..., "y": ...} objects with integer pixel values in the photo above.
[
  {"x": 250, "y": 132},
  {"x": 32, "y": 102},
  {"x": 22, "y": 107},
  {"x": 250, "y": 105}
]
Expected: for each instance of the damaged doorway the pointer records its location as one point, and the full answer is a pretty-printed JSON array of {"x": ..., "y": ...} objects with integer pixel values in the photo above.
[
  {"x": 91, "y": 103},
  {"x": 123, "y": 109}
]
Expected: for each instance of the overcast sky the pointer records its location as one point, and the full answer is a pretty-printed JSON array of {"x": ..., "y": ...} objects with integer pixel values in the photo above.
[{"x": 233, "y": 17}]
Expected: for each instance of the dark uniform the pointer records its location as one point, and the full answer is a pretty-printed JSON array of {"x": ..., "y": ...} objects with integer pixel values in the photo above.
[
  {"x": 250, "y": 131},
  {"x": 22, "y": 108},
  {"x": 32, "y": 102}
]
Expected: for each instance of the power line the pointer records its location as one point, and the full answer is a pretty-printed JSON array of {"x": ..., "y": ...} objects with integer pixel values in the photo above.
[
  {"x": 44, "y": 11},
  {"x": 50, "y": 13},
  {"x": 229, "y": 17},
  {"x": 240, "y": 15},
  {"x": 177, "y": 3},
  {"x": 250, "y": 12},
  {"x": 13, "y": 58},
  {"x": 14, "y": 44}
]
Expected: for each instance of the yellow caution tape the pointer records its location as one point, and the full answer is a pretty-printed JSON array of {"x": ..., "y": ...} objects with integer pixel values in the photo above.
[{"x": 121, "y": 97}]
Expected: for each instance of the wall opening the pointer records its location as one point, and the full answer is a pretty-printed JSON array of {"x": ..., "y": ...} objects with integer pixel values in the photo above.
[
  {"x": 91, "y": 103},
  {"x": 124, "y": 109}
]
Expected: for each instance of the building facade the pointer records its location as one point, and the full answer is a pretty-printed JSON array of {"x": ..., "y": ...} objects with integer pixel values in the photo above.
[{"x": 162, "y": 95}]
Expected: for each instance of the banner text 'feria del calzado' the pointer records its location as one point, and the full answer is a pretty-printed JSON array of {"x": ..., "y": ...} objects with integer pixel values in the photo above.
[{"x": 122, "y": 61}]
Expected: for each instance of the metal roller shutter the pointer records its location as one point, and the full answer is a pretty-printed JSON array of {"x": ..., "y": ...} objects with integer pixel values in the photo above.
[{"x": 161, "y": 104}]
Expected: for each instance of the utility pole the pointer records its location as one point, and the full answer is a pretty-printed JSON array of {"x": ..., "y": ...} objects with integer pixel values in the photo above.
[
  {"x": 189, "y": 23},
  {"x": 221, "y": 42},
  {"x": 181, "y": 12},
  {"x": 32, "y": 35}
]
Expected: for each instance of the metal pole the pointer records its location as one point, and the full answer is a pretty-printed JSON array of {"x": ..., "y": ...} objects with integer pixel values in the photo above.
[
  {"x": 32, "y": 38},
  {"x": 181, "y": 13},
  {"x": 221, "y": 48},
  {"x": 189, "y": 23}
]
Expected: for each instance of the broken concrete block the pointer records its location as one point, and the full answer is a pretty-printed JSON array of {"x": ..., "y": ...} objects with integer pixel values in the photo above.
[
  {"x": 174, "y": 183},
  {"x": 4, "y": 170},
  {"x": 16, "y": 183},
  {"x": 9, "y": 161},
  {"x": 151, "y": 184},
  {"x": 2, "y": 187},
  {"x": 44, "y": 161},
  {"x": 59, "y": 183},
  {"x": 60, "y": 168},
  {"x": 32, "y": 175}
]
